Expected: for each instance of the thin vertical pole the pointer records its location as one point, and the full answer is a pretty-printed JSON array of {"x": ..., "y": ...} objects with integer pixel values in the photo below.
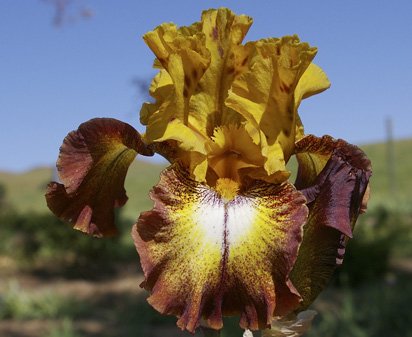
[{"x": 390, "y": 158}]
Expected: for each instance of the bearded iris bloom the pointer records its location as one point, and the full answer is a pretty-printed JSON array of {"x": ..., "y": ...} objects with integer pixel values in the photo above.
[{"x": 229, "y": 234}]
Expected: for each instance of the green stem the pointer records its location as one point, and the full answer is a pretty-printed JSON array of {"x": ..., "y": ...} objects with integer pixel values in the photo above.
[{"x": 207, "y": 332}]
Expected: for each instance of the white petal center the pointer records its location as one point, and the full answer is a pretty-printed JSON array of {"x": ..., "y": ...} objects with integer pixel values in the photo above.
[{"x": 224, "y": 224}]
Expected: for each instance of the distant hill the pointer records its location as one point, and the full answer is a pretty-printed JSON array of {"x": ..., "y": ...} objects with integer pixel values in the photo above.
[
  {"x": 395, "y": 191},
  {"x": 25, "y": 191}
]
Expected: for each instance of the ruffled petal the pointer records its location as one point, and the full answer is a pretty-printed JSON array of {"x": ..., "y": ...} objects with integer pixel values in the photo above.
[
  {"x": 313, "y": 81},
  {"x": 209, "y": 80},
  {"x": 184, "y": 57},
  {"x": 207, "y": 256},
  {"x": 92, "y": 166},
  {"x": 264, "y": 95},
  {"x": 333, "y": 175},
  {"x": 232, "y": 150},
  {"x": 183, "y": 54},
  {"x": 160, "y": 88},
  {"x": 224, "y": 32},
  {"x": 198, "y": 64}
]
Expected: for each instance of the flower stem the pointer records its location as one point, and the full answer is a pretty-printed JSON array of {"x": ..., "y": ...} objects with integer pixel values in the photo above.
[{"x": 207, "y": 332}]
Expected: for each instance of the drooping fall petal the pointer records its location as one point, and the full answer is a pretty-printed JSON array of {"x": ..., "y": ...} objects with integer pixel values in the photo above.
[
  {"x": 333, "y": 175},
  {"x": 207, "y": 253},
  {"x": 92, "y": 166}
]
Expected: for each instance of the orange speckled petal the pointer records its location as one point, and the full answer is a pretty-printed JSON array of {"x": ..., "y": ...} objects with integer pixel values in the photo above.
[
  {"x": 333, "y": 175},
  {"x": 92, "y": 166},
  {"x": 206, "y": 257}
]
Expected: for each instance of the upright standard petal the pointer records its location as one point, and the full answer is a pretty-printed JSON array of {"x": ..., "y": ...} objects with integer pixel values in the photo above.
[
  {"x": 231, "y": 151},
  {"x": 313, "y": 81},
  {"x": 207, "y": 253},
  {"x": 92, "y": 166},
  {"x": 264, "y": 95},
  {"x": 224, "y": 32},
  {"x": 333, "y": 175},
  {"x": 198, "y": 64},
  {"x": 209, "y": 80},
  {"x": 185, "y": 58}
]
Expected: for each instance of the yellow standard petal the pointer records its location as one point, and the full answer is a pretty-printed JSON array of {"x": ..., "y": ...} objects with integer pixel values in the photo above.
[
  {"x": 313, "y": 81},
  {"x": 209, "y": 81},
  {"x": 213, "y": 252},
  {"x": 184, "y": 57},
  {"x": 231, "y": 150},
  {"x": 198, "y": 64},
  {"x": 224, "y": 32},
  {"x": 264, "y": 95}
]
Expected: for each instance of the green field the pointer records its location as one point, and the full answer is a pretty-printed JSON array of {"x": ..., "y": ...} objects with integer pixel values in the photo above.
[
  {"x": 393, "y": 190},
  {"x": 25, "y": 191}
]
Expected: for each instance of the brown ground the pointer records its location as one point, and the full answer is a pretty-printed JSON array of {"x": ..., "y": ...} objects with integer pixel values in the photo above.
[
  {"x": 114, "y": 304},
  {"x": 120, "y": 291}
]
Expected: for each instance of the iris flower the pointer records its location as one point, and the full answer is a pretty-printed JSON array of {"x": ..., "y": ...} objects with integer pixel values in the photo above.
[{"x": 229, "y": 234}]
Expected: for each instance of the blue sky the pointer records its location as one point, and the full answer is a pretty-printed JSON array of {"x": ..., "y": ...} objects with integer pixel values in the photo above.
[{"x": 52, "y": 79}]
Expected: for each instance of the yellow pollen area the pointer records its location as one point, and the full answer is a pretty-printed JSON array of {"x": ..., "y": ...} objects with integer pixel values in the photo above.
[{"x": 227, "y": 188}]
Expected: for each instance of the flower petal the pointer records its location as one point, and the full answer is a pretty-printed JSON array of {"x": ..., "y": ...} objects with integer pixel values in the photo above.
[
  {"x": 199, "y": 64},
  {"x": 184, "y": 57},
  {"x": 160, "y": 88},
  {"x": 313, "y": 81},
  {"x": 264, "y": 95},
  {"x": 92, "y": 166},
  {"x": 224, "y": 32},
  {"x": 232, "y": 150},
  {"x": 183, "y": 54},
  {"x": 204, "y": 256},
  {"x": 333, "y": 175}
]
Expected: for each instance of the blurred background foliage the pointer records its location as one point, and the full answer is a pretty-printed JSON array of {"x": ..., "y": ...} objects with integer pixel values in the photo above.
[{"x": 370, "y": 294}]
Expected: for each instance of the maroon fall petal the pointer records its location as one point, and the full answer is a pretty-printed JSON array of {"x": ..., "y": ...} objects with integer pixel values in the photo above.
[
  {"x": 333, "y": 175},
  {"x": 92, "y": 166},
  {"x": 204, "y": 256}
]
